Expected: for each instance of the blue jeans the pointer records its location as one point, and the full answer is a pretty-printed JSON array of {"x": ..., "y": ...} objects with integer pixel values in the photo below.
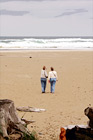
[
  {"x": 52, "y": 84},
  {"x": 43, "y": 84}
]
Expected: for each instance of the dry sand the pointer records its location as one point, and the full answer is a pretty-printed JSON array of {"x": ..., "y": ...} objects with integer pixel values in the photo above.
[{"x": 20, "y": 82}]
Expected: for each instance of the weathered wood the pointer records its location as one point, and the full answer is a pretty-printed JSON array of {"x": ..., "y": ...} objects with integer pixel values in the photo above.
[
  {"x": 79, "y": 132},
  {"x": 30, "y": 109},
  {"x": 9, "y": 120},
  {"x": 89, "y": 113},
  {"x": 28, "y": 122},
  {"x": 76, "y": 133},
  {"x": 15, "y": 137}
]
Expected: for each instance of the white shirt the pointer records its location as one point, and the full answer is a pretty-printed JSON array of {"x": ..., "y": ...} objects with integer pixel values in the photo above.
[
  {"x": 52, "y": 74},
  {"x": 43, "y": 74}
]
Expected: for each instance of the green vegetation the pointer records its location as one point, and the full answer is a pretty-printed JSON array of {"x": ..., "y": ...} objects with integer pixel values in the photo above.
[{"x": 32, "y": 136}]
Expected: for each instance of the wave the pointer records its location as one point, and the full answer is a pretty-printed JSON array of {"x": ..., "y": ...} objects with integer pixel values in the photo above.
[{"x": 46, "y": 43}]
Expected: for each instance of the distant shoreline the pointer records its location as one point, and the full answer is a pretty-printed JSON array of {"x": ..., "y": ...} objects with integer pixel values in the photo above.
[{"x": 43, "y": 50}]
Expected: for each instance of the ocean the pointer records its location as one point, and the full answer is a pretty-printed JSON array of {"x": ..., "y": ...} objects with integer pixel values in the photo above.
[{"x": 46, "y": 43}]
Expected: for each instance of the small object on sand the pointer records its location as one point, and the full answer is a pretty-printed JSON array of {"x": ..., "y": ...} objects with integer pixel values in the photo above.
[
  {"x": 62, "y": 134},
  {"x": 30, "y": 57},
  {"x": 40, "y": 133}
]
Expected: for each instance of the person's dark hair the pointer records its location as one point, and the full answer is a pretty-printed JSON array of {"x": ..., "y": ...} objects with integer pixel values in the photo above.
[
  {"x": 44, "y": 67},
  {"x": 52, "y": 68}
]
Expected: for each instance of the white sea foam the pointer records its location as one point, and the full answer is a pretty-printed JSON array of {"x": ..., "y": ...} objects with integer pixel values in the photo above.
[{"x": 46, "y": 43}]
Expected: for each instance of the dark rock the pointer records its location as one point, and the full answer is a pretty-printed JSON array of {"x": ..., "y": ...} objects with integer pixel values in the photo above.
[
  {"x": 89, "y": 113},
  {"x": 77, "y": 133}
]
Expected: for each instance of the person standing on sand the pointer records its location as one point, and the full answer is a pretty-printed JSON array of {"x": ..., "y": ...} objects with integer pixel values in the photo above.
[
  {"x": 44, "y": 77},
  {"x": 52, "y": 79}
]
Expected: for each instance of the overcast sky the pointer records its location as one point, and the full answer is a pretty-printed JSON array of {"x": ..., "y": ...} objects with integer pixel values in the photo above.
[{"x": 46, "y": 17}]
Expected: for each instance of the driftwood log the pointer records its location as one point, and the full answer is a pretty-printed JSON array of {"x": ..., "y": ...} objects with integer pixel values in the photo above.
[
  {"x": 79, "y": 132},
  {"x": 29, "y": 109},
  {"x": 76, "y": 133},
  {"x": 89, "y": 113},
  {"x": 9, "y": 120}
]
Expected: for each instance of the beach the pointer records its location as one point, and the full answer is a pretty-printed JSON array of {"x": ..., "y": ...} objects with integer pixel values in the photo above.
[{"x": 20, "y": 81}]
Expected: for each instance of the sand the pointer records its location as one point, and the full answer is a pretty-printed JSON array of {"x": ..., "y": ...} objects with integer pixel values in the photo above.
[{"x": 20, "y": 82}]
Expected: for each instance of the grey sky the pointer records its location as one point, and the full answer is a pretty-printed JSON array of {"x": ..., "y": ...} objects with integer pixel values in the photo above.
[
  {"x": 75, "y": 11},
  {"x": 46, "y": 17},
  {"x": 13, "y": 13}
]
